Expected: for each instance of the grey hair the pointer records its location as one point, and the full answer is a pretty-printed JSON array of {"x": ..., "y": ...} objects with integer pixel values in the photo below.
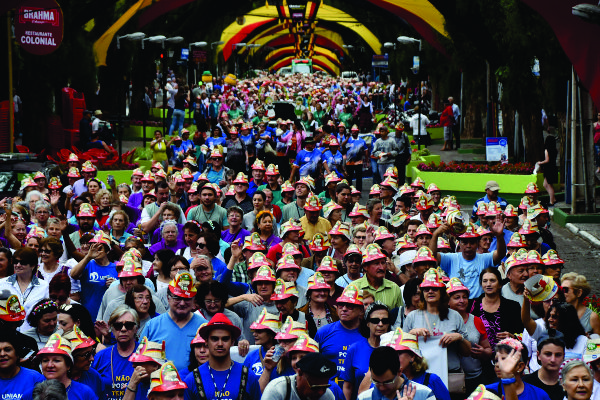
[
  {"x": 168, "y": 222},
  {"x": 53, "y": 221},
  {"x": 33, "y": 193},
  {"x": 41, "y": 204},
  {"x": 50, "y": 389},
  {"x": 569, "y": 365},
  {"x": 122, "y": 310}
]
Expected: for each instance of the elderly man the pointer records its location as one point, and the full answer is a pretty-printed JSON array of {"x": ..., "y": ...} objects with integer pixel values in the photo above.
[
  {"x": 491, "y": 194},
  {"x": 179, "y": 324}
]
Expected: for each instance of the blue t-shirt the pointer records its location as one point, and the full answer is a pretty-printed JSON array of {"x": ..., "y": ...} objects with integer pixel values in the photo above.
[
  {"x": 115, "y": 371},
  {"x": 93, "y": 284},
  {"x": 355, "y": 149},
  {"x": 507, "y": 235},
  {"x": 455, "y": 266},
  {"x": 357, "y": 364},
  {"x": 92, "y": 379},
  {"x": 435, "y": 384},
  {"x": 334, "y": 341},
  {"x": 308, "y": 161},
  {"x": 79, "y": 391},
  {"x": 212, "y": 142},
  {"x": 219, "y": 267},
  {"x": 142, "y": 390},
  {"x": 334, "y": 161},
  {"x": 215, "y": 176},
  {"x": 255, "y": 367},
  {"x": 530, "y": 392},
  {"x": 178, "y": 339},
  {"x": 20, "y": 385},
  {"x": 228, "y": 388}
]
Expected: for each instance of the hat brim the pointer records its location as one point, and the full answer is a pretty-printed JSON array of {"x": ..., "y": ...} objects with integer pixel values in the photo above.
[
  {"x": 349, "y": 300},
  {"x": 406, "y": 348},
  {"x": 545, "y": 294},
  {"x": 374, "y": 258},
  {"x": 167, "y": 387},
  {"x": 234, "y": 330},
  {"x": 20, "y": 316},
  {"x": 130, "y": 275},
  {"x": 257, "y": 326},
  {"x": 318, "y": 286},
  {"x": 285, "y": 336},
  {"x": 139, "y": 358},
  {"x": 188, "y": 294},
  {"x": 431, "y": 284},
  {"x": 46, "y": 350},
  {"x": 315, "y": 248},
  {"x": 312, "y": 208}
]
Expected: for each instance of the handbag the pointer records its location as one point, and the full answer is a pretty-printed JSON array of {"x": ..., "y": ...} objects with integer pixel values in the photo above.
[{"x": 456, "y": 380}]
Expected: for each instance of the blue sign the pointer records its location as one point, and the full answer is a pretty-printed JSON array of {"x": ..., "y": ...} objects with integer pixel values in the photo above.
[{"x": 185, "y": 54}]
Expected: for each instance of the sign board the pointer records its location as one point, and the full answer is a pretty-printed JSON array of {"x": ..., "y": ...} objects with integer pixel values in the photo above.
[
  {"x": 199, "y": 56},
  {"x": 39, "y": 26},
  {"x": 436, "y": 356},
  {"x": 380, "y": 60},
  {"x": 496, "y": 149},
  {"x": 416, "y": 64},
  {"x": 185, "y": 53}
]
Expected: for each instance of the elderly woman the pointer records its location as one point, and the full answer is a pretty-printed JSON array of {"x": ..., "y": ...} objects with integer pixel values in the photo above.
[
  {"x": 263, "y": 225},
  {"x": 577, "y": 380},
  {"x": 118, "y": 222},
  {"x": 50, "y": 252},
  {"x": 42, "y": 213},
  {"x": 576, "y": 288},
  {"x": 318, "y": 313},
  {"x": 24, "y": 282},
  {"x": 42, "y": 320},
  {"x": 139, "y": 297},
  {"x": 103, "y": 199},
  {"x": 170, "y": 240}
]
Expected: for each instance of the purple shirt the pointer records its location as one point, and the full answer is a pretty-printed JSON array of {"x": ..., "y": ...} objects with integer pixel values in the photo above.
[
  {"x": 135, "y": 200},
  {"x": 162, "y": 245},
  {"x": 229, "y": 238},
  {"x": 271, "y": 241}
]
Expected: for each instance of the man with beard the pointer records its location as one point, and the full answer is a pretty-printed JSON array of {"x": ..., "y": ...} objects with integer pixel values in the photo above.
[
  {"x": 221, "y": 377},
  {"x": 179, "y": 324},
  {"x": 85, "y": 219},
  {"x": 152, "y": 213},
  {"x": 208, "y": 210}
]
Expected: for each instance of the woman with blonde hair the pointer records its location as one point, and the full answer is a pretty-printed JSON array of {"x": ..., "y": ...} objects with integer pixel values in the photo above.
[
  {"x": 103, "y": 199},
  {"x": 576, "y": 288}
]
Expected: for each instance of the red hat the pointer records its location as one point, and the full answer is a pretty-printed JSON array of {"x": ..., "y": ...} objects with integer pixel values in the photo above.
[
  {"x": 284, "y": 290},
  {"x": 352, "y": 249},
  {"x": 510, "y": 211},
  {"x": 198, "y": 339},
  {"x": 220, "y": 321},
  {"x": 551, "y": 258},
  {"x": 432, "y": 278},
  {"x": 241, "y": 178},
  {"x": 424, "y": 254},
  {"x": 183, "y": 285},
  {"x": 313, "y": 204},
  {"x": 382, "y": 233},
  {"x": 148, "y": 351},
  {"x": 74, "y": 173},
  {"x": 319, "y": 243},
  {"x": 424, "y": 202},
  {"x": 316, "y": 282},
  {"x": 516, "y": 240},
  {"x": 327, "y": 265},
  {"x": 264, "y": 274},
  {"x": 292, "y": 329},
  {"x": 11, "y": 309},
  {"x": 371, "y": 253},
  {"x": 470, "y": 232},
  {"x": 259, "y": 164},
  {"x": 532, "y": 188},
  {"x": 253, "y": 243},
  {"x": 268, "y": 321},
  {"x": 148, "y": 177},
  {"x": 422, "y": 230},
  {"x": 258, "y": 260},
  {"x": 166, "y": 379},
  {"x": 86, "y": 210},
  {"x": 57, "y": 345},
  {"x": 434, "y": 221},
  {"x": 78, "y": 339},
  {"x": 455, "y": 285},
  {"x": 131, "y": 269},
  {"x": 287, "y": 262},
  {"x": 351, "y": 295}
]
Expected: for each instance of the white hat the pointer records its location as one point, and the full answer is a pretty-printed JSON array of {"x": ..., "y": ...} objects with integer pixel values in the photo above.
[{"x": 406, "y": 258}]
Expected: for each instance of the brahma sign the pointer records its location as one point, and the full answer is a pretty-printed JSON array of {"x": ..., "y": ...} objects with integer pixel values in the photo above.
[{"x": 39, "y": 26}]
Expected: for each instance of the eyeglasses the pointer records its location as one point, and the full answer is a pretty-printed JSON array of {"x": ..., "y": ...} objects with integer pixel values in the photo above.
[
  {"x": 142, "y": 298},
  {"x": 128, "y": 325},
  {"x": 88, "y": 354},
  {"x": 347, "y": 305},
  {"x": 566, "y": 289},
  {"x": 45, "y": 251},
  {"x": 178, "y": 299},
  {"x": 215, "y": 302},
  {"x": 386, "y": 383},
  {"x": 360, "y": 237},
  {"x": 377, "y": 321}
]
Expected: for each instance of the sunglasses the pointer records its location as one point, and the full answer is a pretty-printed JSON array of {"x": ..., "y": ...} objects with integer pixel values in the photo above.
[
  {"x": 386, "y": 383},
  {"x": 88, "y": 354},
  {"x": 377, "y": 321},
  {"x": 429, "y": 289},
  {"x": 318, "y": 387},
  {"x": 45, "y": 251},
  {"x": 60, "y": 299},
  {"x": 128, "y": 325},
  {"x": 201, "y": 245}
]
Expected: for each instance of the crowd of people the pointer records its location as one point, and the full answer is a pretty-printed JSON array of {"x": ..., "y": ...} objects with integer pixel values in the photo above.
[{"x": 197, "y": 281}]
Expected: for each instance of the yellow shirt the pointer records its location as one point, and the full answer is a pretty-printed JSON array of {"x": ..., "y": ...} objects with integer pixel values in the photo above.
[{"x": 322, "y": 226}]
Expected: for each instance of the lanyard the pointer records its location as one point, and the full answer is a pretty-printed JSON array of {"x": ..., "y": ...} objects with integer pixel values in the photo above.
[{"x": 218, "y": 394}]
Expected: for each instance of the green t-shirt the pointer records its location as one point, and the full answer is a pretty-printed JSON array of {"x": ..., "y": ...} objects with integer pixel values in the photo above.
[
  {"x": 218, "y": 215},
  {"x": 276, "y": 194},
  {"x": 235, "y": 114}
]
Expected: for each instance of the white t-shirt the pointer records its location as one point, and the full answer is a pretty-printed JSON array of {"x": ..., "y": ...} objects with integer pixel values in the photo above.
[{"x": 277, "y": 390}]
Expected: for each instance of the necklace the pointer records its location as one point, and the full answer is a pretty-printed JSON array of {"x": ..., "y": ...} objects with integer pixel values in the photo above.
[
  {"x": 208, "y": 217},
  {"x": 218, "y": 394}
]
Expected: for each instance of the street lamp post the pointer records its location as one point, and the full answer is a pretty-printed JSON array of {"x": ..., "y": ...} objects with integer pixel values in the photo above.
[
  {"x": 415, "y": 69},
  {"x": 218, "y": 43},
  {"x": 392, "y": 46},
  {"x": 195, "y": 44},
  {"x": 234, "y": 47}
]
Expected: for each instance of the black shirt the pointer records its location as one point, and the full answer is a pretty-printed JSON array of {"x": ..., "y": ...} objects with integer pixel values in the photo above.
[{"x": 555, "y": 392}]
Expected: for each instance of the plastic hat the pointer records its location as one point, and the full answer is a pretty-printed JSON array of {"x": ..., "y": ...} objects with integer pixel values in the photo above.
[
  {"x": 88, "y": 167},
  {"x": 455, "y": 219},
  {"x": 272, "y": 170},
  {"x": 54, "y": 183},
  {"x": 405, "y": 243},
  {"x": 166, "y": 379},
  {"x": 541, "y": 288},
  {"x": 481, "y": 208},
  {"x": 37, "y": 232},
  {"x": 178, "y": 177},
  {"x": 525, "y": 203},
  {"x": 470, "y": 232},
  {"x": 58, "y": 345},
  {"x": 534, "y": 211},
  {"x": 332, "y": 177},
  {"x": 131, "y": 269},
  {"x": 390, "y": 182},
  {"x": 284, "y": 290},
  {"x": 391, "y": 171},
  {"x": 220, "y": 321},
  {"x": 517, "y": 258},
  {"x": 432, "y": 278},
  {"x": 354, "y": 190},
  {"x": 233, "y": 130},
  {"x": 516, "y": 240},
  {"x": 289, "y": 226},
  {"x": 432, "y": 188},
  {"x": 592, "y": 351},
  {"x": 291, "y": 249},
  {"x": 551, "y": 258},
  {"x": 354, "y": 128},
  {"x": 359, "y": 211},
  {"x": 434, "y": 221},
  {"x": 375, "y": 189},
  {"x": 259, "y": 164},
  {"x": 422, "y": 230},
  {"x": 451, "y": 207},
  {"x": 382, "y": 233},
  {"x": 74, "y": 173},
  {"x": 401, "y": 341},
  {"x": 73, "y": 158},
  {"x": 186, "y": 173},
  {"x": 101, "y": 237},
  {"x": 292, "y": 329},
  {"x": 287, "y": 187},
  {"x": 268, "y": 321},
  {"x": 198, "y": 339},
  {"x": 529, "y": 227},
  {"x": 287, "y": 261},
  {"x": 307, "y": 180},
  {"x": 183, "y": 285},
  {"x": 532, "y": 188},
  {"x": 399, "y": 218},
  {"x": 342, "y": 229},
  {"x": 424, "y": 254},
  {"x": 264, "y": 274},
  {"x": 151, "y": 193},
  {"x": 510, "y": 211},
  {"x": 330, "y": 207},
  {"x": 148, "y": 177},
  {"x": 493, "y": 209},
  {"x": 134, "y": 254},
  {"x": 258, "y": 260},
  {"x": 202, "y": 178},
  {"x": 334, "y": 142},
  {"x": 533, "y": 257},
  {"x": 157, "y": 165},
  {"x": 455, "y": 285},
  {"x": 316, "y": 281},
  {"x": 313, "y": 204},
  {"x": 27, "y": 182},
  {"x": 194, "y": 188},
  {"x": 442, "y": 243},
  {"x": 352, "y": 249},
  {"x": 319, "y": 242},
  {"x": 241, "y": 178},
  {"x": 418, "y": 183},
  {"x": 253, "y": 242},
  {"x": 406, "y": 189},
  {"x": 11, "y": 309},
  {"x": 177, "y": 138},
  {"x": 305, "y": 343},
  {"x": 482, "y": 393},
  {"x": 351, "y": 295},
  {"x": 418, "y": 194},
  {"x": 371, "y": 253},
  {"x": 481, "y": 231},
  {"x": 424, "y": 202},
  {"x": 328, "y": 265},
  {"x": 148, "y": 351},
  {"x": 216, "y": 152},
  {"x": 160, "y": 174},
  {"x": 78, "y": 339}
]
